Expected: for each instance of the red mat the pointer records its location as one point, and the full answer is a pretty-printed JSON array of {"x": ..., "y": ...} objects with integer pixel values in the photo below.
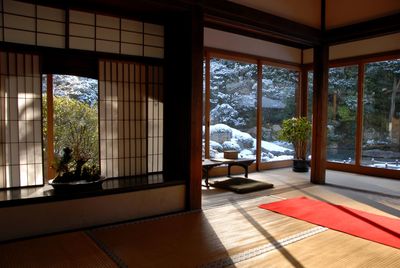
[{"x": 366, "y": 225}]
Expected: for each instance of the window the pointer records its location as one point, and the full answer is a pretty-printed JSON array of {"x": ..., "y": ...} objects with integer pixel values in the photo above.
[
  {"x": 70, "y": 120},
  {"x": 342, "y": 114},
  {"x": 278, "y": 103},
  {"x": 245, "y": 103},
  {"x": 233, "y": 106},
  {"x": 381, "y": 130}
]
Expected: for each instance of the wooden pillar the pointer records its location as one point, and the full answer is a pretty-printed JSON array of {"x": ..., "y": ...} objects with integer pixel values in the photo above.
[
  {"x": 320, "y": 114},
  {"x": 302, "y": 91},
  {"x": 207, "y": 107},
  {"x": 259, "y": 114},
  {"x": 50, "y": 127},
  {"x": 360, "y": 109},
  {"x": 183, "y": 96},
  {"x": 195, "y": 169}
]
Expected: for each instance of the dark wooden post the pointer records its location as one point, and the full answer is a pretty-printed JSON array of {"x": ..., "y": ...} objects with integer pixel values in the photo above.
[
  {"x": 320, "y": 114},
  {"x": 194, "y": 200},
  {"x": 302, "y": 91}
]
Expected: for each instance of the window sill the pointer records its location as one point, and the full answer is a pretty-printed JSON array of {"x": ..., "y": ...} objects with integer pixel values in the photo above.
[{"x": 43, "y": 194}]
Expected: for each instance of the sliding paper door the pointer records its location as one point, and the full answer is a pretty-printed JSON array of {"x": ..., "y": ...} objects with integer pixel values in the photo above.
[
  {"x": 20, "y": 121},
  {"x": 130, "y": 118}
]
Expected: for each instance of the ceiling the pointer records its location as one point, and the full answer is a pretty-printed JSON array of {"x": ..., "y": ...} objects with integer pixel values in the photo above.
[{"x": 338, "y": 12}]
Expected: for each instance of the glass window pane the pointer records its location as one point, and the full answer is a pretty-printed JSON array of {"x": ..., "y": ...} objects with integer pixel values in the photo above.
[
  {"x": 381, "y": 131},
  {"x": 233, "y": 102},
  {"x": 278, "y": 103},
  {"x": 342, "y": 113}
]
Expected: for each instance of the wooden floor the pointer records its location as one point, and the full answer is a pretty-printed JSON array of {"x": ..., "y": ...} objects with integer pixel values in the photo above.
[{"x": 230, "y": 231}]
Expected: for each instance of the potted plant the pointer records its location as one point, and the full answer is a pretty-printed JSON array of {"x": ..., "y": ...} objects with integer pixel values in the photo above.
[
  {"x": 74, "y": 172},
  {"x": 297, "y": 131}
]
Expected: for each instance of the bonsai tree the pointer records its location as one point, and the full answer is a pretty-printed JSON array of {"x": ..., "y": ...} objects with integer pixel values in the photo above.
[
  {"x": 72, "y": 166},
  {"x": 296, "y": 130}
]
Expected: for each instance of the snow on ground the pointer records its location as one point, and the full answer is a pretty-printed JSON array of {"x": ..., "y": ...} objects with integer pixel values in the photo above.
[{"x": 245, "y": 144}]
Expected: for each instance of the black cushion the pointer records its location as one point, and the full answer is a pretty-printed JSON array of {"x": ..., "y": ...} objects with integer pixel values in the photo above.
[{"x": 241, "y": 185}]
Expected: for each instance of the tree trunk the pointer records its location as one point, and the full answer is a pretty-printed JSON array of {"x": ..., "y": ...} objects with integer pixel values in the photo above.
[{"x": 395, "y": 89}]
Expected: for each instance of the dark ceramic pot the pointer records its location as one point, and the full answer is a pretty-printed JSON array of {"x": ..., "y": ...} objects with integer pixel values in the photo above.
[
  {"x": 300, "y": 165},
  {"x": 81, "y": 185}
]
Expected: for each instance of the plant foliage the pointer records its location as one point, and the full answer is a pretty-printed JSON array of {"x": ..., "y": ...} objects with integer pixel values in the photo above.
[{"x": 297, "y": 131}]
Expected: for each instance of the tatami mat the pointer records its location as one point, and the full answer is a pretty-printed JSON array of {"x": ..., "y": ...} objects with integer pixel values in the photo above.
[
  {"x": 65, "y": 250},
  {"x": 196, "y": 239}
]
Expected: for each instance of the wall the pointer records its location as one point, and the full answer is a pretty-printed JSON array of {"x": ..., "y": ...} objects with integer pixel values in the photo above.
[
  {"x": 238, "y": 43},
  {"x": 44, "y": 218},
  {"x": 365, "y": 47},
  {"x": 358, "y": 48}
]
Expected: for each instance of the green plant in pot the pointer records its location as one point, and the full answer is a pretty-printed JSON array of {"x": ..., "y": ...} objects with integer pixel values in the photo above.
[
  {"x": 74, "y": 170},
  {"x": 297, "y": 131}
]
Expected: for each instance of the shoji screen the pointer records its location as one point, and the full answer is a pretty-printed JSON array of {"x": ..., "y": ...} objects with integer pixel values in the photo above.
[
  {"x": 131, "y": 118},
  {"x": 31, "y": 24},
  {"x": 94, "y": 32},
  {"x": 20, "y": 120},
  {"x": 155, "y": 108},
  {"x": 123, "y": 119}
]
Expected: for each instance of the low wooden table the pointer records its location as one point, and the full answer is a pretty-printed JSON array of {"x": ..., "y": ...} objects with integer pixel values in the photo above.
[{"x": 209, "y": 164}]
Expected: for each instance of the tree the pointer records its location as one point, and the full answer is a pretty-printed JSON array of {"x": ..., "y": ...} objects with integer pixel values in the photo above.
[
  {"x": 76, "y": 127},
  {"x": 75, "y": 117},
  {"x": 381, "y": 94}
]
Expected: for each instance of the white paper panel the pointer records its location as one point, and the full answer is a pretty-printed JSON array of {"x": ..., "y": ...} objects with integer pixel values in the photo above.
[
  {"x": 107, "y": 21},
  {"x": 129, "y": 49},
  {"x": 52, "y": 27},
  {"x": 107, "y": 34},
  {"x": 81, "y": 43},
  {"x": 81, "y": 17},
  {"x": 48, "y": 40},
  {"x": 153, "y": 29},
  {"x": 20, "y": 8},
  {"x": 132, "y": 25},
  {"x": 123, "y": 131},
  {"x": 20, "y": 137},
  {"x": 19, "y": 22},
  {"x": 154, "y": 52},
  {"x": 17, "y": 36},
  {"x": 131, "y": 37},
  {"x": 81, "y": 30},
  {"x": 107, "y": 46},
  {"x": 153, "y": 40},
  {"x": 50, "y": 13}
]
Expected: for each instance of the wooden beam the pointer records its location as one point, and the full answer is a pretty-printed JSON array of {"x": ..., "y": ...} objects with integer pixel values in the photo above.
[
  {"x": 302, "y": 93},
  {"x": 320, "y": 114},
  {"x": 232, "y": 17},
  {"x": 372, "y": 28}
]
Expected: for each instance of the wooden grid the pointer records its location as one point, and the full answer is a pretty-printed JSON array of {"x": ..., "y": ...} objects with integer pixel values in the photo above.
[
  {"x": 31, "y": 24},
  {"x": 20, "y": 120},
  {"x": 155, "y": 119},
  {"x": 131, "y": 118},
  {"x": 94, "y": 32}
]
